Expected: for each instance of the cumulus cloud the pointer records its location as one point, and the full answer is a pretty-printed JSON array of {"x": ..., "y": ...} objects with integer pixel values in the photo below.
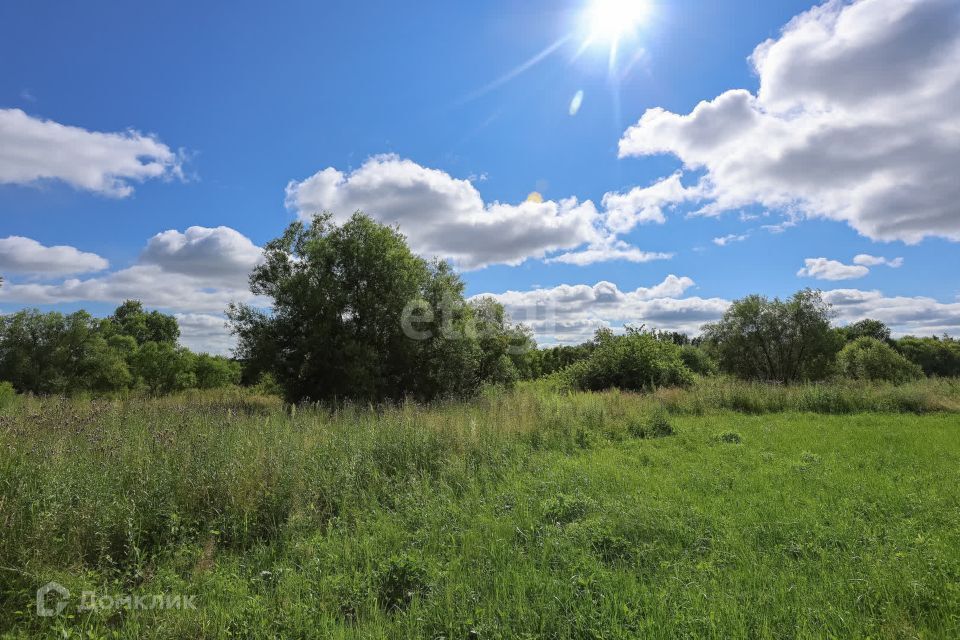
[
  {"x": 148, "y": 283},
  {"x": 823, "y": 269},
  {"x": 906, "y": 315},
  {"x": 217, "y": 254},
  {"x": 874, "y": 261},
  {"x": 446, "y": 217},
  {"x": 196, "y": 273},
  {"x": 27, "y": 256},
  {"x": 205, "y": 333},
  {"x": 34, "y": 150},
  {"x": 572, "y": 313},
  {"x": 855, "y": 120},
  {"x": 643, "y": 205}
]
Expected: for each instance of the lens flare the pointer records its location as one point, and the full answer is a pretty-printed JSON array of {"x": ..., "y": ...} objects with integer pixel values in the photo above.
[{"x": 609, "y": 22}]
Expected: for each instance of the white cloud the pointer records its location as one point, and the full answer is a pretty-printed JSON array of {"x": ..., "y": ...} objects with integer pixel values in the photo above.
[
  {"x": 27, "y": 256},
  {"x": 914, "y": 315},
  {"x": 213, "y": 272},
  {"x": 572, "y": 313},
  {"x": 205, "y": 333},
  {"x": 733, "y": 237},
  {"x": 643, "y": 205},
  {"x": 873, "y": 261},
  {"x": 446, "y": 217},
  {"x": 221, "y": 253},
  {"x": 148, "y": 283},
  {"x": 855, "y": 120},
  {"x": 196, "y": 273},
  {"x": 608, "y": 251},
  {"x": 823, "y": 269},
  {"x": 33, "y": 150}
]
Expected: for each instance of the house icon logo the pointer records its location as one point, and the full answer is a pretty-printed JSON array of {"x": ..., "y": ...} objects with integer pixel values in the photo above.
[{"x": 51, "y": 599}]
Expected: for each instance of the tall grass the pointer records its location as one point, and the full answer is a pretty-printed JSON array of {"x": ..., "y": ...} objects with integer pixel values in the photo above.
[
  {"x": 835, "y": 397},
  {"x": 233, "y": 492}
]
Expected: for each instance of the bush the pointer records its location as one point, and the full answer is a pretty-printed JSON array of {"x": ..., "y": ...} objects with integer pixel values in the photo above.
[
  {"x": 936, "y": 356},
  {"x": 399, "y": 580},
  {"x": 213, "y": 372},
  {"x": 869, "y": 359},
  {"x": 656, "y": 425},
  {"x": 7, "y": 395},
  {"x": 267, "y": 386},
  {"x": 698, "y": 360},
  {"x": 729, "y": 437},
  {"x": 636, "y": 361}
]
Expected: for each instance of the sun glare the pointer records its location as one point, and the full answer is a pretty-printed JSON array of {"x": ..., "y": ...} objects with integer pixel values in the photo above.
[{"x": 611, "y": 20}]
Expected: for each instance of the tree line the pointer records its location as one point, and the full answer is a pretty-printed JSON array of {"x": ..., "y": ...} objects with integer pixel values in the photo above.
[
  {"x": 55, "y": 353},
  {"x": 354, "y": 314},
  {"x": 760, "y": 339}
]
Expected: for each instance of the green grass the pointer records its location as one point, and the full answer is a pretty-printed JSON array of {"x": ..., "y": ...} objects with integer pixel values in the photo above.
[{"x": 520, "y": 514}]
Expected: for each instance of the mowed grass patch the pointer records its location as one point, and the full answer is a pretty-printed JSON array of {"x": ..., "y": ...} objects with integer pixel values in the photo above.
[{"x": 514, "y": 516}]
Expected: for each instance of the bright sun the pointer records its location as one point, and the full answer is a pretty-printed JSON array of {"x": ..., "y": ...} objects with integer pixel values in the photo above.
[{"x": 610, "y": 20}]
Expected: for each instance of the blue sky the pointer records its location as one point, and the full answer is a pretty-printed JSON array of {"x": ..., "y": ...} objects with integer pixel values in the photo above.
[{"x": 221, "y": 115}]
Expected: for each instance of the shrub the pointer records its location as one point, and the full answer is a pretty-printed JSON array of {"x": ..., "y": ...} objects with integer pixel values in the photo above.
[
  {"x": 869, "y": 359},
  {"x": 267, "y": 385},
  {"x": 729, "y": 437},
  {"x": 636, "y": 361},
  {"x": 937, "y": 356},
  {"x": 659, "y": 425},
  {"x": 656, "y": 425},
  {"x": 7, "y": 394},
  {"x": 400, "y": 579},
  {"x": 698, "y": 360},
  {"x": 213, "y": 372}
]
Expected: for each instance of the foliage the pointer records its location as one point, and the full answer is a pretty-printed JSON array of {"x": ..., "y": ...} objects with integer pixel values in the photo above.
[
  {"x": 636, "y": 361},
  {"x": 869, "y": 359},
  {"x": 267, "y": 386},
  {"x": 839, "y": 396},
  {"x": 547, "y": 361},
  {"x": 655, "y": 425},
  {"x": 938, "y": 356},
  {"x": 213, "y": 372},
  {"x": 7, "y": 394},
  {"x": 356, "y": 315},
  {"x": 698, "y": 360},
  {"x": 53, "y": 353},
  {"x": 162, "y": 367},
  {"x": 130, "y": 319},
  {"x": 775, "y": 340},
  {"x": 866, "y": 328}
]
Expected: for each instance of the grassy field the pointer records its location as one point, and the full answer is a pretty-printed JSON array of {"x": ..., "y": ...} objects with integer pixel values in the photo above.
[{"x": 725, "y": 511}]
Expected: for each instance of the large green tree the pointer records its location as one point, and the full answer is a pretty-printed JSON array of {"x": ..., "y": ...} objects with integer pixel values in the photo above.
[
  {"x": 776, "y": 340},
  {"x": 130, "y": 319},
  {"x": 355, "y": 314}
]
